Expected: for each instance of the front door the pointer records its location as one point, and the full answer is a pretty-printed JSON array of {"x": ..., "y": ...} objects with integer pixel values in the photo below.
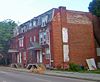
[{"x": 39, "y": 57}]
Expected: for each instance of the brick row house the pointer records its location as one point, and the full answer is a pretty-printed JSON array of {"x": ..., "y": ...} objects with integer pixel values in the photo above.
[{"x": 54, "y": 38}]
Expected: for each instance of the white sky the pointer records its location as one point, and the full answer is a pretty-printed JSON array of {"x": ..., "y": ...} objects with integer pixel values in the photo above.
[{"x": 24, "y": 10}]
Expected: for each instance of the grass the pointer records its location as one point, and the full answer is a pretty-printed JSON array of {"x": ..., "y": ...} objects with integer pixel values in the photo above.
[
  {"x": 91, "y": 71},
  {"x": 82, "y": 71}
]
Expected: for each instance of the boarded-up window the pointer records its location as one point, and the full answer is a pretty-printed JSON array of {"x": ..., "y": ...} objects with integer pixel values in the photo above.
[
  {"x": 66, "y": 53},
  {"x": 65, "y": 35}
]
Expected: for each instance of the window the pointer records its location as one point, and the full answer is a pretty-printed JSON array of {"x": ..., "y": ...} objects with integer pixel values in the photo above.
[
  {"x": 65, "y": 34},
  {"x": 30, "y": 39},
  {"x": 47, "y": 51},
  {"x": 24, "y": 55},
  {"x": 30, "y": 24},
  {"x": 41, "y": 38},
  {"x": 44, "y": 21},
  {"x": 66, "y": 53},
  {"x": 34, "y": 23},
  {"x": 34, "y": 38},
  {"x": 44, "y": 35},
  {"x": 47, "y": 36},
  {"x": 21, "y": 42}
]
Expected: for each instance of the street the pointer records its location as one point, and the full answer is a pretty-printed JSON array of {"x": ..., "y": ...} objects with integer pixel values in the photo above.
[{"x": 16, "y": 76}]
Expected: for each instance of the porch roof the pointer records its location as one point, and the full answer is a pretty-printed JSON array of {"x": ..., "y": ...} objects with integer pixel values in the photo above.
[
  {"x": 12, "y": 51},
  {"x": 34, "y": 46}
]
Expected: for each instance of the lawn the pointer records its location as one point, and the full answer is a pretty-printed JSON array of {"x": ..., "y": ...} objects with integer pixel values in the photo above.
[{"x": 91, "y": 71}]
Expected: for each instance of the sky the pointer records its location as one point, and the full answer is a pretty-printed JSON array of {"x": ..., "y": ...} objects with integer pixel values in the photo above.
[{"x": 23, "y": 10}]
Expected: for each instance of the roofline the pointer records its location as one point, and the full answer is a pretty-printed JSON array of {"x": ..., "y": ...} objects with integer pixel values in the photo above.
[{"x": 36, "y": 16}]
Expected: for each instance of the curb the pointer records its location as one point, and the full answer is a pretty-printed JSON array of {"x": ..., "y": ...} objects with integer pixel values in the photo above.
[{"x": 72, "y": 77}]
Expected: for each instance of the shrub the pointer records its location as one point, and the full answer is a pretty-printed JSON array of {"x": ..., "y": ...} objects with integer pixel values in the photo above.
[{"x": 75, "y": 67}]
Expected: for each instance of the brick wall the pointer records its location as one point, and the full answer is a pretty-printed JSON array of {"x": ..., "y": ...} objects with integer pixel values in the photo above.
[
  {"x": 81, "y": 43},
  {"x": 81, "y": 39}
]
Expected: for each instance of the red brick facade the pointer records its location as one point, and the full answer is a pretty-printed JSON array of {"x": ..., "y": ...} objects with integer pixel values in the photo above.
[{"x": 77, "y": 47}]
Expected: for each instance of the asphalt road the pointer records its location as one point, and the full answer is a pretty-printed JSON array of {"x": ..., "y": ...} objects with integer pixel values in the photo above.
[{"x": 16, "y": 76}]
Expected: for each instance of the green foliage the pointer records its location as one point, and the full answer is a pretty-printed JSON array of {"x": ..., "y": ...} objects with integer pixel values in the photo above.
[
  {"x": 94, "y": 7},
  {"x": 6, "y": 31},
  {"x": 75, "y": 67}
]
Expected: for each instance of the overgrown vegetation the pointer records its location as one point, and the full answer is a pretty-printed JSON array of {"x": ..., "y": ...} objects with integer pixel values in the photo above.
[
  {"x": 94, "y": 7},
  {"x": 75, "y": 67},
  {"x": 6, "y": 32}
]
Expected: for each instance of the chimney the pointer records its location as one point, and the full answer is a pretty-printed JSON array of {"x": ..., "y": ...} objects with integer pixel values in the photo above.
[{"x": 63, "y": 15}]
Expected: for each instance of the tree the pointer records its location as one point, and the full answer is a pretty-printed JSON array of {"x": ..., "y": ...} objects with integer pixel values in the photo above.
[
  {"x": 94, "y": 7},
  {"x": 6, "y": 33}
]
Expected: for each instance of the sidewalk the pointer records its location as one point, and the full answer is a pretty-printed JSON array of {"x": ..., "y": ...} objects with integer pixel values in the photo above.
[{"x": 85, "y": 76}]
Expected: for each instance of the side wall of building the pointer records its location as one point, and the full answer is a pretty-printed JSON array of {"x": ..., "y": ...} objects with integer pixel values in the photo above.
[{"x": 80, "y": 37}]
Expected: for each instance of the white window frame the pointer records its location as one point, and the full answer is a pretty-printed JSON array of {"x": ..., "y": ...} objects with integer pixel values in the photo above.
[{"x": 21, "y": 42}]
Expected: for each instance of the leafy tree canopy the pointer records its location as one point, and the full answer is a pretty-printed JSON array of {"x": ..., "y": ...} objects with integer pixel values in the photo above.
[
  {"x": 6, "y": 32},
  {"x": 94, "y": 7}
]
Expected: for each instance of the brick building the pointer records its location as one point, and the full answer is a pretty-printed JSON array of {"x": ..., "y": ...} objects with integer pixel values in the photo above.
[{"x": 54, "y": 38}]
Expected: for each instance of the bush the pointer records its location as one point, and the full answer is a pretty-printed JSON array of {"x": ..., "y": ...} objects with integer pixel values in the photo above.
[{"x": 75, "y": 67}]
